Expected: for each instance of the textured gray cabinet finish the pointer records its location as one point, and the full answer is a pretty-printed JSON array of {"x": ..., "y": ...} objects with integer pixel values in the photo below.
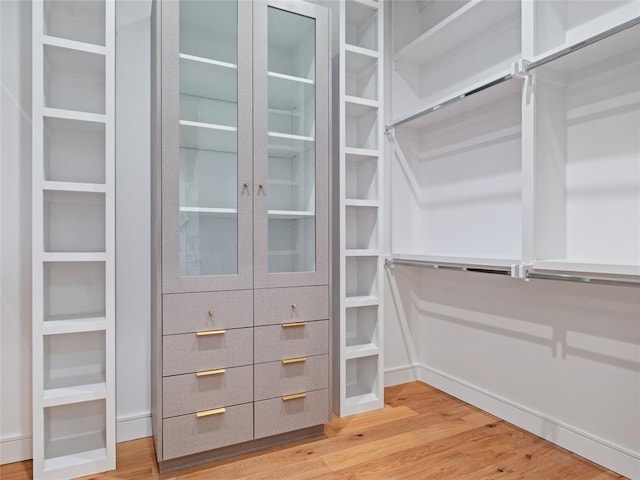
[
  {"x": 281, "y": 305},
  {"x": 240, "y": 225}
]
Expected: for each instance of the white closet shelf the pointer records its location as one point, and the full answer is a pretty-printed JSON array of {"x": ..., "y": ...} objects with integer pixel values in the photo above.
[
  {"x": 210, "y": 79},
  {"x": 76, "y": 465},
  {"x": 373, "y": 4},
  {"x": 287, "y": 146},
  {"x": 360, "y": 401},
  {"x": 361, "y": 252},
  {"x": 287, "y": 138},
  {"x": 74, "y": 257},
  {"x": 465, "y": 23},
  {"x": 212, "y": 126},
  {"x": 356, "y": 107},
  {"x": 586, "y": 266},
  {"x": 359, "y": 351},
  {"x": 570, "y": 58},
  {"x": 74, "y": 187},
  {"x": 361, "y": 301},
  {"x": 74, "y": 325},
  {"x": 365, "y": 52},
  {"x": 361, "y": 152},
  {"x": 214, "y": 211},
  {"x": 73, "y": 115},
  {"x": 352, "y": 202},
  {"x": 208, "y": 136},
  {"x": 81, "y": 393},
  {"x": 359, "y": 12},
  {"x": 476, "y": 96},
  {"x": 288, "y": 95},
  {"x": 290, "y": 214},
  {"x": 73, "y": 45}
]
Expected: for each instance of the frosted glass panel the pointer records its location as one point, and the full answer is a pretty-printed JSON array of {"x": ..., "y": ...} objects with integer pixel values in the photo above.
[
  {"x": 290, "y": 187},
  {"x": 208, "y": 204}
]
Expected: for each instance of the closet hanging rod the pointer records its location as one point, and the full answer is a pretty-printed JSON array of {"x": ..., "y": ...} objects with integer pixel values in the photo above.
[
  {"x": 584, "y": 43},
  {"x": 583, "y": 279},
  {"x": 448, "y": 102},
  {"x": 495, "y": 270}
]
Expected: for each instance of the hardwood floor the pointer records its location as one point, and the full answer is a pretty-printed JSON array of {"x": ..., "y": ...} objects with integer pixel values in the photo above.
[{"x": 422, "y": 433}]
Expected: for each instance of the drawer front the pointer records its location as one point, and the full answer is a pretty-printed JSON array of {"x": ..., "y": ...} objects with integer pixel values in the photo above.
[
  {"x": 182, "y": 394},
  {"x": 280, "y": 305},
  {"x": 278, "y": 416},
  {"x": 276, "y": 342},
  {"x": 188, "y": 434},
  {"x": 193, "y": 312},
  {"x": 276, "y": 379},
  {"x": 190, "y": 353}
]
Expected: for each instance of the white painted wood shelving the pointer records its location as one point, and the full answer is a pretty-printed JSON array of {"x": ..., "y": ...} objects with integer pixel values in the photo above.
[
  {"x": 359, "y": 341},
  {"x": 73, "y": 238},
  {"x": 515, "y": 129}
]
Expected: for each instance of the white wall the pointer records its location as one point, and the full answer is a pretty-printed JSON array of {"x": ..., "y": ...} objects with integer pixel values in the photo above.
[
  {"x": 559, "y": 359},
  {"x": 132, "y": 225},
  {"x": 15, "y": 230}
]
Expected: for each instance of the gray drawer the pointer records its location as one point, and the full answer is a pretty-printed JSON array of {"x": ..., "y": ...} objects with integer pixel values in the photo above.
[
  {"x": 280, "y": 305},
  {"x": 275, "y": 379},
  {"x": 190, "y": 353},
  {"x": 191, "y": 393},
  {"x": 277, "y": 342},
  {"x": 188, "y": 434},
  {"x": 192, "y": 312},
  {"x": 278, "y": 416}
]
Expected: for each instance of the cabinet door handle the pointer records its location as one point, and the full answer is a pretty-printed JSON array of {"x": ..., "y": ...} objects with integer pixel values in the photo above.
[
  {"x": 245, "y": 185},
  {"x": 295, "y": 396},
  {"x": 208, "y": 333},
  {"x": 289, "y": 361},
  {"x": 208, "y": 413},
  {"x": 211, "y": 312},
  {"x": 293, "y": 324},
  {"x": 207, "y": 373},
  {"x": 294, "y": 306}
]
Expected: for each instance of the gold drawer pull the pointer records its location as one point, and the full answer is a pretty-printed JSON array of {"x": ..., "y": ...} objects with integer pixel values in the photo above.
[
  {"x": 293, "y": 305},
  {"x": 209, "y": 333},
  {"x": 210, "y": 372},
  {"x": 293, "y": 397},
  {"x": 293, "y": 324},
  {"x": 289, "y": 361},
  {"x": 207, "y": 413},
  {"x": 211, "y": 312}
]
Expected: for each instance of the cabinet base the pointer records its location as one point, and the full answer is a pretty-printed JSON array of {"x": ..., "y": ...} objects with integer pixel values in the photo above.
[{"x": 239, "y": 449}]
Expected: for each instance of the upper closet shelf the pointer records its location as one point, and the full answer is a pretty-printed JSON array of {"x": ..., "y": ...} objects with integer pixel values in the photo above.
[
  {"x": 290, "y": 78},
  {"x": 366, "y": 55},
  {"x": 73, "y": 115},
  {"x": 73, "y": 45},
  {"x": 586, "y": 267},
  {"x": 615, "y": 41},
  {"x": 76, "y": 394},
  {"x": 456, "y": 29},
  {"x": 74, "y": 325},
  {"x": 476, "y": 96}
]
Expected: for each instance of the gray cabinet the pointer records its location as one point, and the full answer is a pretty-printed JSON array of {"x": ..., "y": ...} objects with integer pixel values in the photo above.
[{"x": 240, "y": 226}]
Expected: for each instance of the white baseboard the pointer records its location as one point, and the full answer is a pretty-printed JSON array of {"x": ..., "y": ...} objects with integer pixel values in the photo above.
[
  {"x": 15, "y": 449},
  {"x": 397, "y": 375},
  {"x": 582, "y": 443},
  {"x": 133, "y": 427},
  {"x": 19, "y": 447}
]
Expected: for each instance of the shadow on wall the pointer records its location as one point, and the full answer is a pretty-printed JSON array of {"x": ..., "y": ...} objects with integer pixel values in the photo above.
[{"x": 561, "y": 316}]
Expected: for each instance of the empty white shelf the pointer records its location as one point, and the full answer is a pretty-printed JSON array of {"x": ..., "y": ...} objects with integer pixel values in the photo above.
[
  {"x": 362, "y": 252},
  {"x": 215, "y": 211},
  {"x": 73, "y": 45},
  {"x": 74, "y": 257},
  {"x": 208, "y": 61},
  {"x": 456, "y": 29},
  {"x": 363, "y": 152},
  {"x": 74, "y": 187},
  {"x": 74, "y": 325},
  {"x": 290, "y": 78},
  {"x": 366, "y": 52},
  {"x": 353, "y": 202},
  {"x": 76, "y": 394},
  {"x": 73, "y": 115},
  {"x": 361, "y": 301},
  {"x": 290, "y": 214},
  {"x": 359, "y": 351}
]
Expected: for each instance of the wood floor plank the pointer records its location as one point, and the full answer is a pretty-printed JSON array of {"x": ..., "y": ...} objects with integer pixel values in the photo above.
[{"x": 421, "y": 434}]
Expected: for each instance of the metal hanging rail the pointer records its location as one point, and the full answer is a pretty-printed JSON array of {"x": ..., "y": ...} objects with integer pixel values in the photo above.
[
  {"x": 582, "y": 44},
  {"x": 627, "y": 282},
  {"x": 448, "y": 102},
  {"x": 432, "y": 264}
]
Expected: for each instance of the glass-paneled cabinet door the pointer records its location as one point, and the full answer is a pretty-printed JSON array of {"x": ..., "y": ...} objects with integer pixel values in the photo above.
[
  {"x": 207, "y": 135},
  {"x": 291, "y": 230}
]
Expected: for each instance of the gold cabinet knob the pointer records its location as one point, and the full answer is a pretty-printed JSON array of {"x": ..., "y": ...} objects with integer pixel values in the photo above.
[
  {"x": 293, "y": 305},
  {"x": 260, "y": 186},
  {"x": 245, "y": 185},
  {"x": 211, "y": 312}
]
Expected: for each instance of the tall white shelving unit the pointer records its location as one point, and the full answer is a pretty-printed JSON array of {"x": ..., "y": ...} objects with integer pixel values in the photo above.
[
  {"x": 359, "y": 306},
  {"x": 73, "y": 238}
]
